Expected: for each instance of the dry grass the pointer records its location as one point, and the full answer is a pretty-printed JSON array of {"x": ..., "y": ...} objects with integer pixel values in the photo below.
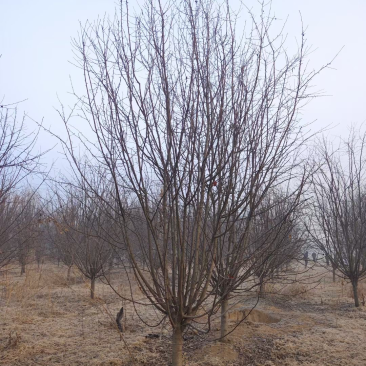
[
  {"x": 296, "y": 290},
  {"x": 47, "y": 320}
]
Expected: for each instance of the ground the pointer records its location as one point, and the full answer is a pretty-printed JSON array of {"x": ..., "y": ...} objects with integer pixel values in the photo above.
[{"x": 47, "y": 320}]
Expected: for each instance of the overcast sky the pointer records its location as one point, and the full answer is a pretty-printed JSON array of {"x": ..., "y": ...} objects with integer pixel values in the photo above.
[{"x": 35, "y": 43}]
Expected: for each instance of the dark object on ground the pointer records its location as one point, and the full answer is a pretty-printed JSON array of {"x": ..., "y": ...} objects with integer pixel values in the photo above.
[
  {"x": 118, "y": 320},
  {"x": 152, "y": 336}
]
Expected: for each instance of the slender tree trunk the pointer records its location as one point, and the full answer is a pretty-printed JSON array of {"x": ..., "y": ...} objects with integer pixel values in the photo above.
[
  {"x": 22, "y": 270},
  {"x": 355, "y": 293},
  {"x": 334, "y": 274},
  {"x": 224, "y": 318},
  {"x": 92, "y": 288},
  {"x": 177, "y": 346},
  {"x": 68, "y": 273},
  {"x": 262, "y": 290}
]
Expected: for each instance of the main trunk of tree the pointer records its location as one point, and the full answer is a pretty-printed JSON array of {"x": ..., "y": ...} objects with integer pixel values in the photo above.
[
  {"x": 262, "y": 290},
  {"x": 334, "y": 274},
  {"x": 177, "y": 346},
  {"x": 92, "y": 288},
  {"x": 224, "y": 319},
  {"x": 355, "y": 293},
  {"x": 68, "y": 273}
]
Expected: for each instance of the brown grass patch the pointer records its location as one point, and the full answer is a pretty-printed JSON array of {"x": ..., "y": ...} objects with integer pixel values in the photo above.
[
  {"x": 46, "y": 320},
  {"x": 295, "y": 290},
  {"x": 252, "y": 315}
]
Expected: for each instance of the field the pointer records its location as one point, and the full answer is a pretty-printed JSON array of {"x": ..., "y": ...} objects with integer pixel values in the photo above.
[{"x": 47, "y": 320}]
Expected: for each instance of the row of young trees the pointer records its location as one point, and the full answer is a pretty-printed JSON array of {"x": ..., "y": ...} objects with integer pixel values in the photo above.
[{"x": 195, "y": 163}]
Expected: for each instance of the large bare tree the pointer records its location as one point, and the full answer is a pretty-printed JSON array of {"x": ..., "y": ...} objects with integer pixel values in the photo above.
[{"x": 193, "y": 124}]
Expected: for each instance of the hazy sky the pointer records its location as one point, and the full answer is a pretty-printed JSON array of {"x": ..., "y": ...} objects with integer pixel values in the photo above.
[{"x": 35, "y": 43}]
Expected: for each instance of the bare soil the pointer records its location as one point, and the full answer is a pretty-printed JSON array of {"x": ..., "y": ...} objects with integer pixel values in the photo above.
[{"x": 45, "y": 320}]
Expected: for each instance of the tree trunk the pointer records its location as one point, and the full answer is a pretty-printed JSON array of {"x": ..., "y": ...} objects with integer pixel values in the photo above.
[
  {"x": 68, "y": 274},
  {"x": 92, "y": 288},
  {"x": 224, "y": 318},
  {"x": 334, "y": 274},
  {"x": 355, "y": 293},
  {"x": 262, "y": 290},
  {"x": 22, "y": 270},
  {"x": 177, "y": 346}
]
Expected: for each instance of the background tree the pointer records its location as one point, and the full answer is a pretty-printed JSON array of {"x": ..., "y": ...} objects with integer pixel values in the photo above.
[
  {"x": 81, "y": 224},
  {"x": 18, "y": 161},
  {"x": 276, "y": 238},
  {"x": 8, "y": 209},
  {"x": 338, "y": 225},
  {"x": 262, "y": 247},
  {"x": 25, "y": 227},
  {"x": 55, "y": 232}
]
